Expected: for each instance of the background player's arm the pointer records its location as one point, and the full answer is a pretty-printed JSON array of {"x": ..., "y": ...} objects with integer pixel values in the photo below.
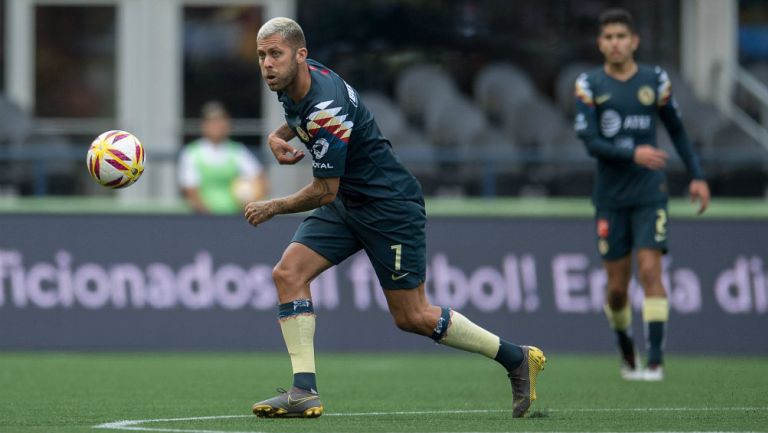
[
  {"x": 586, "y": 126},
  {"x": 597, "y": 146},
  {"x": 698, "y": 188},
  {"x": 283, "y": 151},
  {"x": 671, "y": 118},
  {"x": 320, "y": 192}
]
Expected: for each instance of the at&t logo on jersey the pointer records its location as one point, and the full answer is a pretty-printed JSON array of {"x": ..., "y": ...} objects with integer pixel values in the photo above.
[
  {"x": 611, "y": 123},
  {"x": 320, "y": 148},
  {"x": 638, "y": 122}
]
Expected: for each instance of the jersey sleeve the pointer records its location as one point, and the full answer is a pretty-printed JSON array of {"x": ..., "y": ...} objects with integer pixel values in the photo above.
[
  {"x": 248, "y": 165},
  {"x": 670, "y": 116},
  {"x": 330, "y": 127},
  {"x": 188, "y": 175},
  {"x": 586, "y": 125}
]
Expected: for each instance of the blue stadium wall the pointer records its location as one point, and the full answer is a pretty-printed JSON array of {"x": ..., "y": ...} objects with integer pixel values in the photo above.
[{"x": 180, "y": 282}]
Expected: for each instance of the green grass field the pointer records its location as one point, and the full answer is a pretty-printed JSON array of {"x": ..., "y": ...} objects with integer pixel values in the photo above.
[
  {"x": 455, "y": 392},
  {"x": 513, "y": 207}
]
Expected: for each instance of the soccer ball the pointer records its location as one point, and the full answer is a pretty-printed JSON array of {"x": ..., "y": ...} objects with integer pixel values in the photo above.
[{"x": 116, "y": 159}]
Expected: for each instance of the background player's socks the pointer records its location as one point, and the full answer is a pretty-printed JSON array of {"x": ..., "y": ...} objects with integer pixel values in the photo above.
[
  {"x": 620, "y": 320},
  {"x": 621, "y": 323},
  {"x": 297, "y": 321},
  {"x": 655, "y": 316},
  {"x": 627, "y": 346},
  {"x": 455, "y": 330}
]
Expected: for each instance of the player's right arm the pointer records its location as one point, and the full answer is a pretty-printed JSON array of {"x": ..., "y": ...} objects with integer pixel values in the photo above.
[
  {"x": 285, "y": 154},
  {"x": 320, "y": 192},
  {"x": 586, "y": 124}
]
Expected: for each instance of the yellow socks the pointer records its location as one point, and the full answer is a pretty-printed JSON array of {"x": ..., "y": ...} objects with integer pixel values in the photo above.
[
  {"x": 465, "y": 335},
  {"x": 297, "y": 321},
  {"x": 655, "y": 309},
  {"x": 619, "y": 320}
]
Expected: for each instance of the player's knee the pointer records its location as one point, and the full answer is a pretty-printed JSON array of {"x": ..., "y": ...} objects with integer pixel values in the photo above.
[
  {"x": 649, "y": 275},
  {"x": 408, "y": 322},
  {"x": 616, "y": 298},
  {"x": 404, "y": 322},
  {"x": 283, "y": 277}
]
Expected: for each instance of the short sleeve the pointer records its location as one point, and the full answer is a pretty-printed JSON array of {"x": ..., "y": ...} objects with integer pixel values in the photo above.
[
  {"x": 188, "y": 175},
  {"x": 330, "y": 130}
]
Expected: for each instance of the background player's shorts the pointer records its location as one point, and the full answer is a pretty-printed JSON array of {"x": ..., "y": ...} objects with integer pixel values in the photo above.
[
  {"x": 392, "y": 233},
  {"x": 621, "y": 230}
]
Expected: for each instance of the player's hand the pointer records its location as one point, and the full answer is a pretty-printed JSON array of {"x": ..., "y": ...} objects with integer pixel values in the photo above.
[
  {"x": 699, "y": 190},
  {"x": 650, "y": 157},
  {"x": 257, "y": 212},
  {"x": 285, "y": 154}
]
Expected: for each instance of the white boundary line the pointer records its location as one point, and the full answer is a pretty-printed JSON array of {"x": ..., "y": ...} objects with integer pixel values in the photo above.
[{"x": 134, "y": 425}]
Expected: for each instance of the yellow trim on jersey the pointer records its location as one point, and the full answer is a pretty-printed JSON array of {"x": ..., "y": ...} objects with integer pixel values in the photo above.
[
  {"x": 664, "y": 90},
  {"x": 583, "y": 92}
]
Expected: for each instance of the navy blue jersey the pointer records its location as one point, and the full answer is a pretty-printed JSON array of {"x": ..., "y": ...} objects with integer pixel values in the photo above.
[
  {"x": 613, "y": 117},
  {"x": 344, "y": 141}
]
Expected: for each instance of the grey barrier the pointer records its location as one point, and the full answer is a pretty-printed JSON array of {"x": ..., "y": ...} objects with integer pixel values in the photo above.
[{"x": 183, "y": 282}]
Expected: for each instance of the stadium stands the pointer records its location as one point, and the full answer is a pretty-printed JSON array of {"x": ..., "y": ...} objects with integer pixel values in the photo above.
[
  {"x": 33, "y": 163},
  {"x": 510, "y": 139}
]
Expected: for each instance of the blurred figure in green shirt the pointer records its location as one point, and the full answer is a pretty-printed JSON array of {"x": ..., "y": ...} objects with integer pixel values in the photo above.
[{"x": 218, "y": 175}]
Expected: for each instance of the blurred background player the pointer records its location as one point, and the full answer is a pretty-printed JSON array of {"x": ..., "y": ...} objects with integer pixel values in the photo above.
[
  {"x": 617, "y": 110},
  {"x": 218, "y": 175},
  {"x": 362, "y": 198}
]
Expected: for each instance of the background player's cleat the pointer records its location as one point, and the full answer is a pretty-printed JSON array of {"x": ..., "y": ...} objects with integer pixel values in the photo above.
[
  {"x": 654, "y": 373},
  {"x": 296, "y": 403},
  {"x": 631, "y": 371},
  {"x": 523, "y": 380}
]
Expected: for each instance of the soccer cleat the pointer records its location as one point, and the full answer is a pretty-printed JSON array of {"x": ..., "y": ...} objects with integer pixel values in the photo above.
[
  {"x": 296, "y": 403},
  {"x": 654, "y": 373},
  {"x": 631, "y": 371},
  {"x": 523, "y": 380}
]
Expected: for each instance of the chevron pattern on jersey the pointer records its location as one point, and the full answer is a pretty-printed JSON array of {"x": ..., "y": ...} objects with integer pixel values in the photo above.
[{"x": 327, "y": 118}]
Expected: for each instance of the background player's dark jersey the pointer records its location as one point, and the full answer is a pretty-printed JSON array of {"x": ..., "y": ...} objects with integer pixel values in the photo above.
[
  {"x": 344, "y": 141},
  {"x": 613, "y": 117}
]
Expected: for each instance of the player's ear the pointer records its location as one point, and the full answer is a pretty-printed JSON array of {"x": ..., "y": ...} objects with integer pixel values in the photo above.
[
  {"x": 635, "y": 41},
  {"x": 301, "y": 55}
]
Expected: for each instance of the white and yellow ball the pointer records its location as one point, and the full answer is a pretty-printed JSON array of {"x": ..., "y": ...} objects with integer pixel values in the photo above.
[{"x": 116, "y": 159}]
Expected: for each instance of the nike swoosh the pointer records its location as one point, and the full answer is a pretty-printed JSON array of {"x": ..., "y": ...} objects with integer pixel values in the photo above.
[
  {"x": 397, "y": 277},
  {"x": 602, "y": 98},
  {"x": 292, "y": 402}
]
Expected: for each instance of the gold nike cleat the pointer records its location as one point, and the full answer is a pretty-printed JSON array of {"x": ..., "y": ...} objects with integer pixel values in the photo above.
[
  {"x": 296, "y": 403},
  {"x": 523, "y": 380}
]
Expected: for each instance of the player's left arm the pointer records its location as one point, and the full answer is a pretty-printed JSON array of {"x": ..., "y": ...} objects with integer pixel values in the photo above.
[
  {"x": 283, "y": 151},
  {"x": 320, "y": 192},
  {"x": 670, "y": 116}
]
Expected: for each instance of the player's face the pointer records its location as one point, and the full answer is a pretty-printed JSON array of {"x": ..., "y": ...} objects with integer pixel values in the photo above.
[
  {"x": 216, "y": 128},
  {"x": 617, "y": 43},
  {"x": 279, "y": 62}
]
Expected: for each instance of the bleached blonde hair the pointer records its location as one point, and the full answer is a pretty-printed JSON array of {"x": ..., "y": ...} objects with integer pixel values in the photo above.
[{"x": 287, "y": 28}]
